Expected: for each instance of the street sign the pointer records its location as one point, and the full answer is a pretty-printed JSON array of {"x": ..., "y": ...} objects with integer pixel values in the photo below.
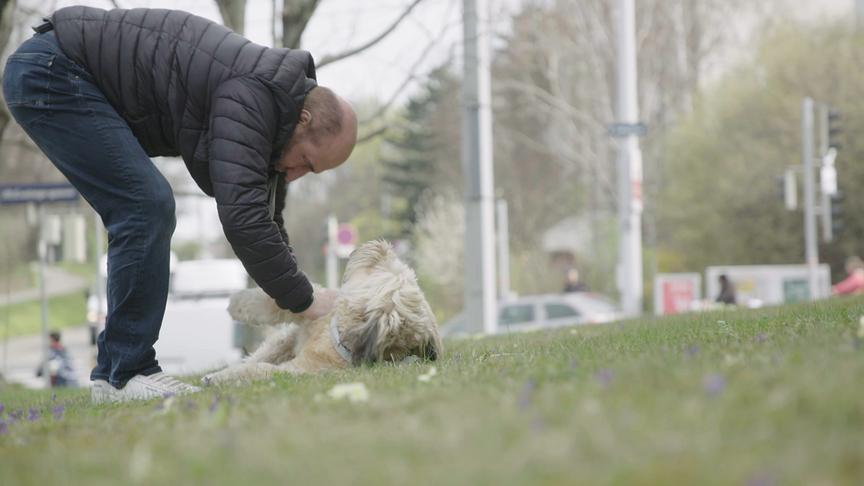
[
  {"x": 675, "y": 293},
  {"x": 620, "y": 130},
  {"x": 346, "y": 240},
  {"x": 37, "y": 193}
]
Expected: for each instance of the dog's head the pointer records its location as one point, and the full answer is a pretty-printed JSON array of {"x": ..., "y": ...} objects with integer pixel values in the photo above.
[{"x": 387, "y": 314}]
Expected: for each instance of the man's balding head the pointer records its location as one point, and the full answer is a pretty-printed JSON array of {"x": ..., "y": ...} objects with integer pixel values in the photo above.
[{"x": 324, "y": 137}]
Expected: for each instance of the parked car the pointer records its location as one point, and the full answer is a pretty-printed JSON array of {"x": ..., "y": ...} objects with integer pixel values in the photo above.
[
  {"x": 197, "y": 332},
  {"x": 534, "y": 312}
]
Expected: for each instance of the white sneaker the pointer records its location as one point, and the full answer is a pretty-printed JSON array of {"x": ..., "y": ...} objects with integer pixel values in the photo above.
[
  {"x": 140, "y": 387},
  {"x": 101, "y": 391}
]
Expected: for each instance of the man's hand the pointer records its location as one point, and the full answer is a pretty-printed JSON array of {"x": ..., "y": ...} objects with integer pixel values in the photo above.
[{"x": 322, "y": 303}]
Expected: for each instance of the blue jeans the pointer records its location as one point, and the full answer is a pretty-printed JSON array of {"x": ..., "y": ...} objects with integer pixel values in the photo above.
[{"x": 60, "y": 107}]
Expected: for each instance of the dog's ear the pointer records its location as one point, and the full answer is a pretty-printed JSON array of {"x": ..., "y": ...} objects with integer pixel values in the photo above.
[
  {"x": 363, "y": 342},
  {"x": 367, "y": 256}
]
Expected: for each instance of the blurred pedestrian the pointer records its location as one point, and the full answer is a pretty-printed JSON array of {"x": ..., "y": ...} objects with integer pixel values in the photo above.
[
  {"x": 727, "y": 291},
  {"x": 59, "y": 364},
  {"x": 572, "y": 283},
  {"x": 100, "y": 92},
  {"x": 854, "y": 281}
]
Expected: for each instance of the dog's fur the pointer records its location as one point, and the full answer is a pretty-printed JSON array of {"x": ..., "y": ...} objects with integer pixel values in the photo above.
[{"x": 381, "y": 315}]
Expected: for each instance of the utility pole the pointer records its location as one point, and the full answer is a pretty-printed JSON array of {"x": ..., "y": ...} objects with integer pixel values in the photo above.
[
  {"x": 859, "y": 14},
  {"x": 503, "y": 227},
  {"x": 480, "y": 303},
  {"x": 332, "y": 263},
  {"x": 811, "y": 250},
  {"x": 629, "y": 273}
]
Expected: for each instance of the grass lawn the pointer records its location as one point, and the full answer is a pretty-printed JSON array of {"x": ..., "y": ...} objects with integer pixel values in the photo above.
[
  {"x": 774, "y": 396},
  {"x": 25, "y": 318}
]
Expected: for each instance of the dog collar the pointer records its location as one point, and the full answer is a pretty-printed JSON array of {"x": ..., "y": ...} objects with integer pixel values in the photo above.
[{"x": 337, "y": 343}]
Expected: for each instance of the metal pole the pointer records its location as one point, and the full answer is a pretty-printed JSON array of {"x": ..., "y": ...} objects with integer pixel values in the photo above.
[
  {"x": 810, "y": 247},
  {"x": 503, "y": 228},
  {"x": 332, "y": 262},
  {"x": 629, "y": 167},
  {"x": 43, "y": 297},
  {"x": 480, "y": 302},
  {"x": 859, "y": 14}
]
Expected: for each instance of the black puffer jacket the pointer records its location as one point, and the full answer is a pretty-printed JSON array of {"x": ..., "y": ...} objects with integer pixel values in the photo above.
[{"x": 188, "y": 86}]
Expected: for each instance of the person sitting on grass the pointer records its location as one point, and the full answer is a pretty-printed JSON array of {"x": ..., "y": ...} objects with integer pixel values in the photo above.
[{"x": 59, "y": 364}]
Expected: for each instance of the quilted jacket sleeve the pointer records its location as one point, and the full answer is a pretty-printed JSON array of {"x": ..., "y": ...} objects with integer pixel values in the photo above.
[
  {"x": 281, "y": 195},
  {"x": 243, "y": 122}
]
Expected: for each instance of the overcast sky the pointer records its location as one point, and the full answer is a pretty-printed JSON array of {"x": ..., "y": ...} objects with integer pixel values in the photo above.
[{"x": 380, "y": 71}]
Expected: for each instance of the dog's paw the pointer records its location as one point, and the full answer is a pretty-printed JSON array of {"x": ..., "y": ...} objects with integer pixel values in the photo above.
[
  {"x": 208, "y": 380},
  {"x": 254, "y": 307},
  {"x": 217, "y": 377}
]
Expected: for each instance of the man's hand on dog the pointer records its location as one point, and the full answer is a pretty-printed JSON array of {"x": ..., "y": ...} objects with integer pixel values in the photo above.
[{"x": 322, "y": 303}]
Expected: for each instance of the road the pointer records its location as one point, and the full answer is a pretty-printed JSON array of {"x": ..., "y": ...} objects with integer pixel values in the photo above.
[{"x": 196, "y": 337}]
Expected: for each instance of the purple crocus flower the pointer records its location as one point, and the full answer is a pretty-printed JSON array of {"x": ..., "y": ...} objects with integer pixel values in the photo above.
[
  {"x": 4, "y": 429},
  {"x": 604, "y": 377},
  {"x": 692, "y": 350},
  {"x": 214, "y": 405},
  {"x": 2, "y": 408},
  {"x": 57, "y": 412},
  {"x": 33, "y": 415},
  {"x": 761, "y": 337},
  {"x": 15, "y": 416},
  {"x": 714, "y": 384}
]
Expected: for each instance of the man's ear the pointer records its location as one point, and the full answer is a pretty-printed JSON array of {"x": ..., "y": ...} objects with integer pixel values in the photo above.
[{"x": 305, "y": 117}]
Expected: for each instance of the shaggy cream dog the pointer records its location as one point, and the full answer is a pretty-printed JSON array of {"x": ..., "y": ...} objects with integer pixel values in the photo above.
[{"x": 380, "y": 314}]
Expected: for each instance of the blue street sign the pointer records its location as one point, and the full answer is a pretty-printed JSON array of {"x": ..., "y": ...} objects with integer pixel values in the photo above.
[
  {"x": 37, "y": 193},
  {"x": 619, "y": 130}
]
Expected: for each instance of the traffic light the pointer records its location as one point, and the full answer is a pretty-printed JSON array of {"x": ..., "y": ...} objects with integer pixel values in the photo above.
[
  {"x": 834, "y": 129},
  {"x": 837, "y": 223}
]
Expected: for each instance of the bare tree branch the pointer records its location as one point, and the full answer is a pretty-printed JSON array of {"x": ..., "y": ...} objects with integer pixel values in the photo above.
[
  {"x": 410, "y": 77},
  {"x": 233, "y": 14},
  {"x": 295, "y": 17},
  {"x": 350, "y": 52},
  {"x": 115, "y": 4},
  {"x": 374, "y": 133}
]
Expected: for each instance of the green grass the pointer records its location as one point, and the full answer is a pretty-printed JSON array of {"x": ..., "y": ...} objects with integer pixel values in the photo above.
[
  {"x": 25, "y": 318},
  {"x": 749, "y": 397}
]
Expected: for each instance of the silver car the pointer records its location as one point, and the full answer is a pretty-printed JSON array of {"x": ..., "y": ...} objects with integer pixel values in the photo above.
[{"x": 534, "y": 312}]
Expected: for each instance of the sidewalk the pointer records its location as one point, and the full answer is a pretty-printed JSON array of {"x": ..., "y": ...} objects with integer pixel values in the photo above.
[
  {"x": 57, "y": 282},
  {"x": 20, "y": 356}
]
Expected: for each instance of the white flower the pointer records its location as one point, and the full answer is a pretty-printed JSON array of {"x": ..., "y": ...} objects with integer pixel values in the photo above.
[
  {"x": 426, "y": 377},
  {"x": 353, "y": 392}
]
